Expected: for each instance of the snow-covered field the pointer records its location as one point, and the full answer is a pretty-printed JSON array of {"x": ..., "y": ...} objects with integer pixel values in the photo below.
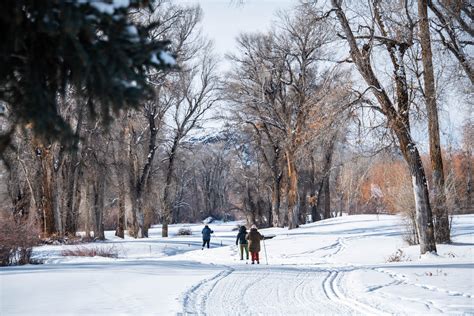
[{"x": 335, "y": 266}]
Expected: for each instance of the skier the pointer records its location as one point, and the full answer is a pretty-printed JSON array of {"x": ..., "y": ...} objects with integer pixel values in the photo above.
[
  {"x": 206, "y": 236},
  {"x": 241, "y": 237},
  {"x": 254, "y": 238}
]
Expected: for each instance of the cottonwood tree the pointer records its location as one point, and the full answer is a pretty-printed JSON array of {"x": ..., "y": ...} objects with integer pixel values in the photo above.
[
  {"x": 179, "y": 24},
  {"x": 193, "y": 94},
  {"x": 440, "y": 211},
  {"x": 276, "y": 84},
  {"x": 363, "y": 41}
]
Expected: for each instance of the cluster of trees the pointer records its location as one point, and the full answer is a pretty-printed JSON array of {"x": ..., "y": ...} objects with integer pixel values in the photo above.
[
  {"x": 321, "y": 116},
  {"x": 119, "y": 162}
]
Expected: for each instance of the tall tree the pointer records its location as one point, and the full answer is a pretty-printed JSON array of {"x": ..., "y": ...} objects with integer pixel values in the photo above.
[
  {"x": 193, "y": 95},
  {"x": 440, "y": 211},
  {"x": 396, "y": 114}
]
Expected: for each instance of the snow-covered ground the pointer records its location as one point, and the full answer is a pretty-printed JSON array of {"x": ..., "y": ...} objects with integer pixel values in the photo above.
[{"x": 335, "y": 266}]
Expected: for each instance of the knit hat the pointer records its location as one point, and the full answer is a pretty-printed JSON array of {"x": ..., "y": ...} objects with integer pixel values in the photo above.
[{"x": 254, "y": 226}]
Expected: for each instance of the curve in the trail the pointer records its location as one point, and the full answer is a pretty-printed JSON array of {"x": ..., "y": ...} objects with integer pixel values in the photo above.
[
  {"x": 333, "y": 288},
  {"x": 194, "y": 300},
  {"x": 263, "y": 290}
]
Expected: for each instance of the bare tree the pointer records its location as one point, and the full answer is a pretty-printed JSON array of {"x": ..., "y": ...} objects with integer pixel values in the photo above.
[
  {"x": 193, "y": 95},
  {"x": 395, "y": 111},
  {"x": 440, "y": 211},
  {"x": 178, "y": 24}
]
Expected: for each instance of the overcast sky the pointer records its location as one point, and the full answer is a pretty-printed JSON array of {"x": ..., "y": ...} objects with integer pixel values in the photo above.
[{"x": 225, "y": 19}]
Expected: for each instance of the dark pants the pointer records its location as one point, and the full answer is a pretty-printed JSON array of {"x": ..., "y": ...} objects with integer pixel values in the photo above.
[{"x": 204, "y": 242}]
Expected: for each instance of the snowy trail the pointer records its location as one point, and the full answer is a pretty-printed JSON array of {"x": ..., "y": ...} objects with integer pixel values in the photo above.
[
  {"x": 336, "y": 266},
  {"x": 267, "y": 290}
]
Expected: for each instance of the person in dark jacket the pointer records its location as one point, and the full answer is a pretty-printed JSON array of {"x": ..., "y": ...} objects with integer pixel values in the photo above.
[
  {"x": 254, "y": 238},
  {"x": 206, "y": 236},
  {"x": 241, "y": 239}
]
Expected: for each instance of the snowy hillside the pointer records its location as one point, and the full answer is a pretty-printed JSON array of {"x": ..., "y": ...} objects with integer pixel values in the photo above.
[{"x": 336, "y": 266}]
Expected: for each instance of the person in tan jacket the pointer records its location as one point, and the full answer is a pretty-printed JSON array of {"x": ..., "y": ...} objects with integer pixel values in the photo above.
[{"x": 254, "y": 238}]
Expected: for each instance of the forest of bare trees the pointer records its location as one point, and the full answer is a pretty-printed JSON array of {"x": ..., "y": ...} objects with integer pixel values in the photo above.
[{"x": 325, "y": 114}]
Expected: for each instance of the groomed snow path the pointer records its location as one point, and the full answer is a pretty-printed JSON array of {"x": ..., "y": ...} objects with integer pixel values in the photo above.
[{"x": 258, "y": 290}]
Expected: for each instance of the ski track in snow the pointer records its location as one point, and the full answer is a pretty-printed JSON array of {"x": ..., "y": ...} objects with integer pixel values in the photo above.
[
  {"x": 324, "y": 275},
  {"x": 194, "y": 300},
  {"x": 244, "y": 290},
  {"x": 333, "y": 288},
  {"x": 402, "y": 280}
]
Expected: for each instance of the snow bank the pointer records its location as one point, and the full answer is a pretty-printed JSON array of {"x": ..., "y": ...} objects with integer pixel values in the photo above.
[{"x": 335, "y": 266}]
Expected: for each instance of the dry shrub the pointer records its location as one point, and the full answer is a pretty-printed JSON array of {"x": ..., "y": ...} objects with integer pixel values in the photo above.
[
  {"x": 398, "y": 256},
  {"x": 400, "y": 199},
  {"x": 184, "y": 232},
  {"x": 108, "y": 252},
  {"x": 17, "y": 239}
]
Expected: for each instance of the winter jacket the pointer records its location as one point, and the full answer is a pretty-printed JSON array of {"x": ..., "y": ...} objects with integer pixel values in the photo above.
[
  {"x": 206, "y": 233},
  {"x": 241, "y": 236},
  {"x": 254, "y": 238}
]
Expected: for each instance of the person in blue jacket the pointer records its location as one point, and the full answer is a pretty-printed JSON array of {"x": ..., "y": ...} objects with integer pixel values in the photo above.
[{"x": 206, "y": 236}]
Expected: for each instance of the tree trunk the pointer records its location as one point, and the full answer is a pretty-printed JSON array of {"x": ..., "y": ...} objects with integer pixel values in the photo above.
[
  {"x": 327, "y": 198},
  {"x": 74, "y": 172},
  {"x": 440, "y": 211},
  {"x": 313, "y": 197},
  {"x": 398, "y": 123},
  {"x": 469, "y": 205},
  {"x": 324, "y": 194},
  {"x": 99, "y": 201},
  {"x": 167, "y": 212},
  {"x": 120, "y": 229},
  {"x": 276, "y": 198},
  {"x": 46, "y": 178},
  {"x": 249, "y": 205},
  {"x": 320, "y": 200},
  {"x": 293, "y": 203},
  {"x": 142, "y": 181},
  {"x": 72, "y": 193},
  {"x": 88, "y": 217},
  {"x": 304, "y": 204}
]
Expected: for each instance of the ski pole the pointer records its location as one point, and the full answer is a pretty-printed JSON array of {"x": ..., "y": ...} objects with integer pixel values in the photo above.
[{"x": 265, "y": 249}]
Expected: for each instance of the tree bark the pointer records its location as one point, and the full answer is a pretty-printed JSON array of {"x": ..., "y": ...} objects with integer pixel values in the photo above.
[
  {"x": 74, "y": 172},
  {"x": 314, "y": 195},
  {"x": 440, "y": 211},
  {"x": 293, "y": 204},
  {"x": 141, "y": 183},
  {"x": 397, "y": 123},
  {"x": 327, "y": 198},
  {"x": 276, "y": 200},
  {"x": 46, "y": 178},
  {"x": 167, "y": 212},
  {"x": 99, "y": 201}
]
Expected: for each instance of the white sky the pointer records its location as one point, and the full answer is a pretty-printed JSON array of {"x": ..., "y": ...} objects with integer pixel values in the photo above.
[{"x": 225, "y": 19}]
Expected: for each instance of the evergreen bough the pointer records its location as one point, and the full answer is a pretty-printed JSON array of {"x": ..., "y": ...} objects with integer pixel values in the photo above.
[{"x": 89, "y": 45}]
